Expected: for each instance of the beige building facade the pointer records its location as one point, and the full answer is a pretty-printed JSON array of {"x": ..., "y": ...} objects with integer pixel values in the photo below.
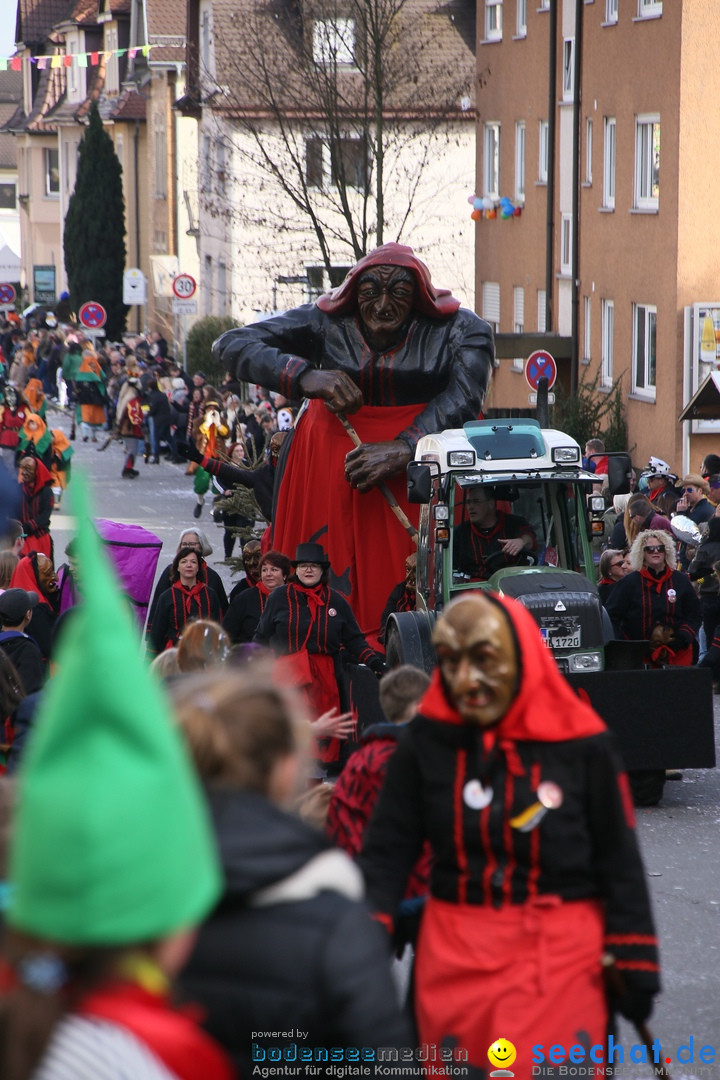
[{"x": 644, "y": 224}]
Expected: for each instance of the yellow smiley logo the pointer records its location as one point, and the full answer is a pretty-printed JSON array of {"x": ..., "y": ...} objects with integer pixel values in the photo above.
[{"x": 502, "y": 1053}]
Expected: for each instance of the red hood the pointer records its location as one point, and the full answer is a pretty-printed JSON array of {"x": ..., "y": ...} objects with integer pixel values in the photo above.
[
  {"x": 24, "y": 578},
  {"x": 545, "y": 709},
  {"x": 42, "y": 477},
  {"x": 437, "y": 303}
]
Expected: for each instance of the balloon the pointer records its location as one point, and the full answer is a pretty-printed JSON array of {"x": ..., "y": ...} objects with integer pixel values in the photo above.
[
  {"x": 517, "y": 211},
  {"x": 471, "y": 199},
  {"x": 476, "y": 215},
  {"x": 506, "y": 205},
  {"x": 505, "y": 214},
  {"x": 492, "y": 213},
  {"x": 477, "y": 203},
  {"x": 488, "y": 204}
]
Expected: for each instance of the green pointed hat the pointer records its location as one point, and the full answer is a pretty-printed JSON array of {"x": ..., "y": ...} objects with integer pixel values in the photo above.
[{"x": 111, "y": 843}]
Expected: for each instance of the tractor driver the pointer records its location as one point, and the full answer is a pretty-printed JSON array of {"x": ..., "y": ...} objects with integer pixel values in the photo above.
[{"x": 490, "y": 538}]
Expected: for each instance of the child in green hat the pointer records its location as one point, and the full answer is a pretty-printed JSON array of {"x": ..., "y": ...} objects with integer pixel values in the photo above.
[{"x": 112, "y": 865}]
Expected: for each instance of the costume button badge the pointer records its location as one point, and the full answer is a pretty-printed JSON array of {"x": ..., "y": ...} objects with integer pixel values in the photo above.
[
  {"x": 476, "y": 796},
  {"x": 332, "y": 611}
]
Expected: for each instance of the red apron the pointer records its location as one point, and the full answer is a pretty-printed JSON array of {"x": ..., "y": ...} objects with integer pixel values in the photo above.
[{"x": 528, "y": 973}]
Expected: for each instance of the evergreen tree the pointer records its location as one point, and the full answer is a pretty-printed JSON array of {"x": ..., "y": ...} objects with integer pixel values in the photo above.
[{"x": 94, "y": 239}]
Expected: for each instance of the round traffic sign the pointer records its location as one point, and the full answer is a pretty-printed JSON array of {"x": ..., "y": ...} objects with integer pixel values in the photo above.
[
  {"x": 92, "y": 315},
  {"x": 7, "y": 293},
  {"x": 184, "y": 286},
  {"x": 539, "y": 364}
]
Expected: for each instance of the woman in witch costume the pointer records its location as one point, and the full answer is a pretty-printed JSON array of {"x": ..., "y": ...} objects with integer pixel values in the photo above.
[
  {"x": 307, "y": 623},
  {"x": 536, "y": 872},
  {"x": 187, "y": 598}
]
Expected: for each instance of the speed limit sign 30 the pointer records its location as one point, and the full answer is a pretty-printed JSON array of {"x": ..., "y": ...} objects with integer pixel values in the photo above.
[{"x": 184, "y": 286}]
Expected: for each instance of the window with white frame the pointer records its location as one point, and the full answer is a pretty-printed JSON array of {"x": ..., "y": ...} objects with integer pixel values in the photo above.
[
  {"x": 521, "y": 19},
  {"x": 541, "y": 311},
  {"x": 207, "y": 290},
  {"x": 8, "y": 195},
  {"x": 493, "y": 20},
  {"x": 491, "y": 160},
  {"x": 520, "y": 162},
  {"x": 544, "y": 5},
  {"x": 587, "y": 341},
  {"x": 491, "y": 304},
  {"x": 221, "y": 166},
  {"x": 222, "y": 289},
  {"x": 609, "y": 163},
  {"x": 649, "y": 8},
  {"x": 608, "y": 335},
  {"x": 647, "y": 162},
  {"x": 71, "y": 49},
  {"x": 52, "y": 171},
  {"x": 588, "y": 150},
  {"x": 568, "y": 68},
  {"x": 518, "y": 321},
  {"x": 644, "y": 348},
  {"x": 205, "y": 34},
  {"x": 566, "y": 244},
  {"x": 160, "y": 155},
  {"x": 344, "y": 163},
  {"x": 112, "y": 71},
  {"x": 334, "y": 42},
  {"x": 543, "y": 152},
  {"x": 206, "y": 164},
  {"x": 611, "y": 11}
]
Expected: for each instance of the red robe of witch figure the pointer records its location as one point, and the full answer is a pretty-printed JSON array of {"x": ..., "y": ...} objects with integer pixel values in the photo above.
[
  {"x": 307, "y": 624},
  {"x": 536, "y": 870},
  {"x": 404, "y": 359}
]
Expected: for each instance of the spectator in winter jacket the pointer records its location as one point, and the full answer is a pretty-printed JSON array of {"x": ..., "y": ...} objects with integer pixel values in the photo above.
[
  {"x": 16, "y": 608},
  {"x": 290, "y": 947}
]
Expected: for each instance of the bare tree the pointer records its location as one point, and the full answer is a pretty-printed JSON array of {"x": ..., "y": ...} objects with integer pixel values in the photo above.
[{"x": 341, "y": 105}]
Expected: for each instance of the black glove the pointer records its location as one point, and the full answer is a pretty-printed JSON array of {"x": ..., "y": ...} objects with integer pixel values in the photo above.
[
  {"x": 188, "y": 451},
  {"x": 635, "y": 1004},
  {"x": 378, "y": 667}
]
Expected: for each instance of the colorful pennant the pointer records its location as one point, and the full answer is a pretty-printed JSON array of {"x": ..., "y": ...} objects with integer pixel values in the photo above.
[{"x": 60, "y": 60}]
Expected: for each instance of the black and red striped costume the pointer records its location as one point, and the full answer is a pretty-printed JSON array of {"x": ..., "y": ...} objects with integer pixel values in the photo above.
[
  {"x": 643, "y": 600},
  {"x": 244, "y": 613},
  {"x": 517, "y": 921},
  {"x": 176, "y": 607},
  {"x": 478, "y": 552},
  {"x": 314, "y": 625}
]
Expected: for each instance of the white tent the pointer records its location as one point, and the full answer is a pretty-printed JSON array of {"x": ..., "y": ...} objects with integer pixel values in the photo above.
[{"x": 9, "y": 265}]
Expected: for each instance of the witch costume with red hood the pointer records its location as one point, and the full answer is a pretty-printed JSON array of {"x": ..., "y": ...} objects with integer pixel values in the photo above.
[
  {"x": 434, "y": 376},
  {"x": 35, "y": 511},
  {"x": 524, "y": 899}
]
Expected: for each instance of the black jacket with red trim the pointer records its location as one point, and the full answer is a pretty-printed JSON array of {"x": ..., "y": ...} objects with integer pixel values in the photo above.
[
  {"x": 463, "y": 788},
  {"x": 642, "y": 601},
  {"x": 479, "y": 553},
  {"x": 288, "y": 626}
]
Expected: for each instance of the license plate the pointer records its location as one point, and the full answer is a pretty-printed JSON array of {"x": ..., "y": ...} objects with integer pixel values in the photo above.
[{"x": 562, "y": 635}]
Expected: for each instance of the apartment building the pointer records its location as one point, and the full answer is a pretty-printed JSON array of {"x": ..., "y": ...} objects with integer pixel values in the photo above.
[{"x": 623, "y": 158}]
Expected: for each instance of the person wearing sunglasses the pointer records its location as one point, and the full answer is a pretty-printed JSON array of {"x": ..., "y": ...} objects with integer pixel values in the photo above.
[
  {"x": 614, "y": 566},
  {"x": 696, "y": 505},
  {"x": 656, "y": 602}
]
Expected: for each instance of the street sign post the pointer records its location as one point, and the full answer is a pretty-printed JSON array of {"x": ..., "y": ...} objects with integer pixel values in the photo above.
[
  {"x": 7, "y": 295},
  {"x": 92, "y": 315},
  {"x": 184, "y": 286},
  {"x": 540, "y": 364}
]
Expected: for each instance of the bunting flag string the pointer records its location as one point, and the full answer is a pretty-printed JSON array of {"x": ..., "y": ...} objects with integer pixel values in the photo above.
[{"x": 83, "y": 60}]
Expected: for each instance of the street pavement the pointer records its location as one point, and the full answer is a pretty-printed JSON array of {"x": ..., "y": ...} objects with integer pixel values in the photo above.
[
  {"x": 679, "y": 838},
  {"x": 160, "y": 499}
]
